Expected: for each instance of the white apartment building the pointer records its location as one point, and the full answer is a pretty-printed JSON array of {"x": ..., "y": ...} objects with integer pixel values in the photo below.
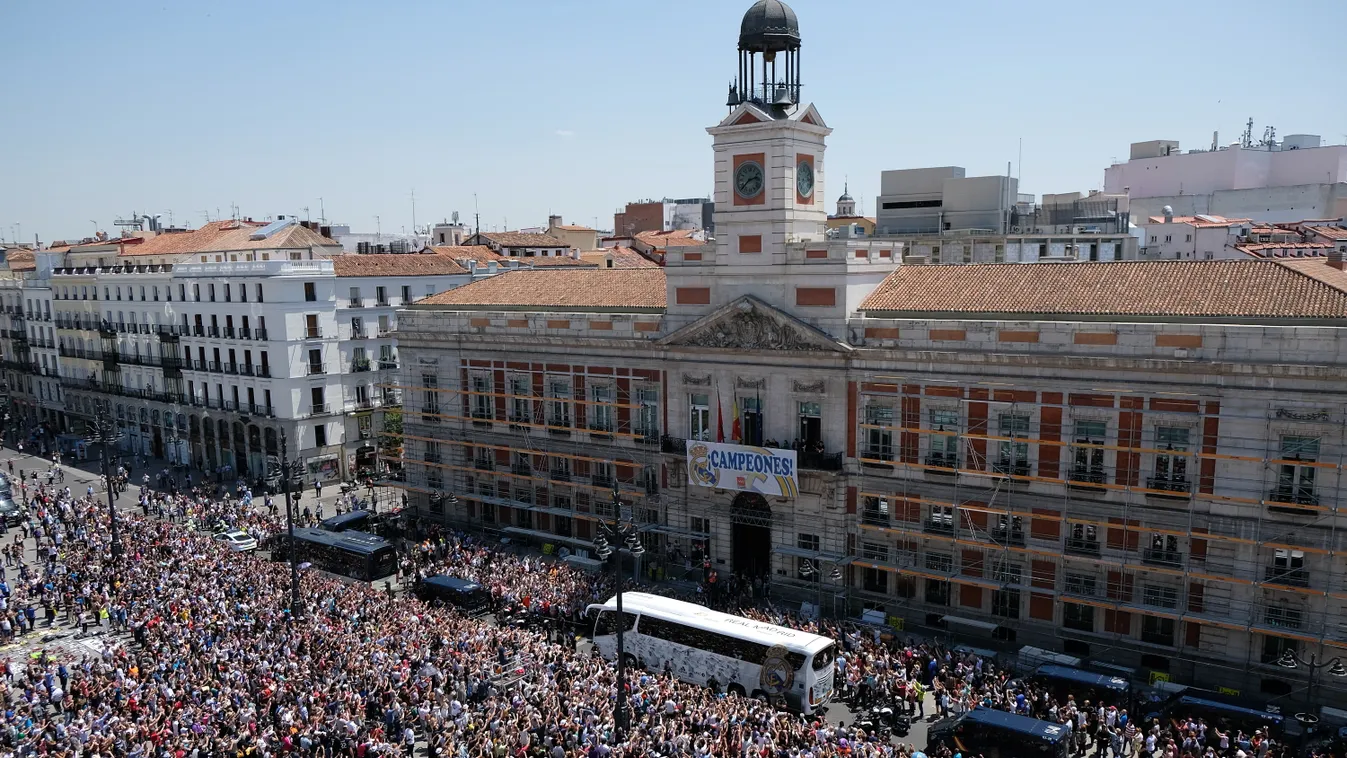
[
  {"x": 209, "y": 347},
  {"x": 1283, "y": 182}
]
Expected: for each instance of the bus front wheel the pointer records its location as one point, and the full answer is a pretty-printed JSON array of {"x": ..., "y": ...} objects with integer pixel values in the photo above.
[
  {"x": 630, "y": 661},
  {"x": 735, "y": 689}
]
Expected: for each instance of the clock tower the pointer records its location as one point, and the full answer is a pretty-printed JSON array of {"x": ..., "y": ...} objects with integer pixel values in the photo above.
[{"x": 769, "y": 149}]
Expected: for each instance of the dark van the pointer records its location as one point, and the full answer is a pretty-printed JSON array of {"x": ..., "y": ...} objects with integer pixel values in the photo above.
[
  {"x": 1085, "y": 685},
  {"x": 355, "y": 521},
  {"x": 998, "y": 734},
  {"x": 465, "y": 595}
]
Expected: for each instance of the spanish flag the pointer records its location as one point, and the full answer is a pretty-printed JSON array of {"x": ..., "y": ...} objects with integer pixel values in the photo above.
[{"x": 736, "y": 429}]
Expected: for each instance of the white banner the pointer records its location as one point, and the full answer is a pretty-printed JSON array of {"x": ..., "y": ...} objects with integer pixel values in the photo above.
[{"x": 740, "y": 467}]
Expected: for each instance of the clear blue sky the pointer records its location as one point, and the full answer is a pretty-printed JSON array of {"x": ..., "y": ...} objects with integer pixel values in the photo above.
[{"x": 577, "y": 107}]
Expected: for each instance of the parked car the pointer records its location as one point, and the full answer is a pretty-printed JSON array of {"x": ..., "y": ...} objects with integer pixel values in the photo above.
[
  {"x": 238, "y": 540},
  {"x": 10, "y": 511}
]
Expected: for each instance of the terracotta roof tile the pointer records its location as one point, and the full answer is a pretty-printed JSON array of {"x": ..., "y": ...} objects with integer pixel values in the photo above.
[
  {"x": 550, "y": 261},
  {"x": 220, "y": 236},
  {"x": 1199, "y": 221},
  {"x": 20, "y": 259},
  {"x": 395, "y": 265},
  {"x": 623, "y": 257},
  {"x": 561, "y": 289},
  {"x": 523, "y": 239},
  {"x": 1184, "y": 289},
  {"x": 1331, "y": 232},
  {"x": 460, "y": 253},
  {"x": 1279, "y": 249},
  {"x": 573, "y": 228},
  {"x": 676, "y": 238}
]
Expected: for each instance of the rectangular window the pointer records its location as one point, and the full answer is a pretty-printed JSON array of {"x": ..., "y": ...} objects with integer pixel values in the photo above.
[
  {"x": 559, "y": 402},
  {"x": 1006, "y": 603},
  {"x": 1288, "y": 567},
  {"x": 1078, "y": 617},
  {"x": 811, "y": 426},
  {"x": 879, "y": 432},
  {"x": 1295, "y": 478},
  {"x": 1171, "y": 465},
  {"x": 751, "y": 410},
  {"x": 316, "y": 362},
  {"x": 196, "y": 293},
  {"x": 243, "y": 293},
  {"x": 875, "y": 511},
  {"x": 481, "y": 397},
  {"x": 1084, "y": 539},
  {"x": 940, "y": 562},
  {"x": 941, "y": 519},
  {"x": 1082, "y": 584},
  {"x": 944, "y": 439},
  {"x": 311, "y": 326},
  {"x": 1006, "y": 572},
  {"x": 647, "y": 418},
  {"x": 381, "y": 296},
  {"x": 1157, "y": 631},
  {"x": 1013, "y": 457},
  {"x": 356, "y": 300},
  {"x": 227, "y": 300},
  {"x": 430, "y": 399},
  {"x": 310, "y": 292},
  {"x": 521, "y": 407},
  {"x": 259, "y": 292},
  {"x": 320, "y": 435},
  {"x": 937, "y": 592},
  {"x": 601, "y": 412},
  {"x": 807, "y": 569},
  {"x": 1087, "y": 460},
  {"x": 699, "y": 417},
  {"x": 357, "y": 328},
  {"x": 406, "y": 294}
]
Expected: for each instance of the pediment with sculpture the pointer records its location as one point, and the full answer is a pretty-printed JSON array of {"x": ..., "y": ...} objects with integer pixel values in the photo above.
[{"x": 750, "y": 324}]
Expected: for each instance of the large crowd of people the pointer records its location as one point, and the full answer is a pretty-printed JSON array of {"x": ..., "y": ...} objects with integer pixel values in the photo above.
[{"x": 201, "y": 655}]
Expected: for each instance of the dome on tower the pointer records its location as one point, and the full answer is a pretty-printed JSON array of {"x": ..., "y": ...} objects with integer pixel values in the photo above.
[
  {"x": 845, "y": 198},
  {"x": 768, "y": 26}
]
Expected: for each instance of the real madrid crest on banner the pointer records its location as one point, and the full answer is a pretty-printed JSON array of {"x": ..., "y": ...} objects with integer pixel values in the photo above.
[{"x": 777, "y": 674}]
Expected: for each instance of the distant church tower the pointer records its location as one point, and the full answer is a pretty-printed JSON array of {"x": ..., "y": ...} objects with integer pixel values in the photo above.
[{"x": 845, "y": 205}]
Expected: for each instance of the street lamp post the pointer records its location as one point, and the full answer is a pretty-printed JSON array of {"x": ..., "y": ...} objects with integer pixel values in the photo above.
[
  {"x": 1290, "y": 660},
  {"x": 296, "y": 608},
  {"x": 814, "y": 567},
  {"x": 619, "y": 532},
  {"x": 101, "y": 430}
]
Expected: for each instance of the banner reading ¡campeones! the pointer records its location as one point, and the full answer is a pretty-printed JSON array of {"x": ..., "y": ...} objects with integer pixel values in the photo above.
[{"x": 765, "y": 470}]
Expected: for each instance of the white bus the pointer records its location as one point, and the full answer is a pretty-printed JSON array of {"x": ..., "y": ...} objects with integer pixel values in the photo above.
[{"x": 702, "y": 646}]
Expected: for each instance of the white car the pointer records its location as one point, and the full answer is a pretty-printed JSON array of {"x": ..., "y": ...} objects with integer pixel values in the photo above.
[{"x": 237, "y": 540}]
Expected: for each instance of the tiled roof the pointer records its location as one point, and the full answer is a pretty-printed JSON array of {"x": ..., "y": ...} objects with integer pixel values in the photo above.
[
  {"x": 564, "y": 289},
  {"x": 460, "y": 253},
  {"x": 550, "y": 261},
  {"x": 623, "y": 257},
  {"x": 523, "y": 239},
  {"x": 572, "y": 228},
  {"x": 1187, "y": 289},
  {"x": 1200, "y": 221},
  {"x": 20, "y": 259},
  {"x": 676, "y": 238},
  {"x": 395, "y": 265},
  {"x": 1331, "y": 232},
  {"x": 1284, "y": 249},
  {"x": 220, "y": 236}
]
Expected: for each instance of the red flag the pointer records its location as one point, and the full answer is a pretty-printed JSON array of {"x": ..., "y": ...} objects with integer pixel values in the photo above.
[{"x": 720, "y": 419}]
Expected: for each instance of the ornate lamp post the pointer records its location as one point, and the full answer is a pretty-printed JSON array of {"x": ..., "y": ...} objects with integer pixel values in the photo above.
[
  {"x": 296, "y": 607},
  {"x": 1290, "y": 660},
  {"x": 814, "y": 567},
  {"x": 621, "y": 532},
  {"x": 103, "y": 431}
]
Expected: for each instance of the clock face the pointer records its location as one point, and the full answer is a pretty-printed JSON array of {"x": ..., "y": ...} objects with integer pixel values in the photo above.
[
  {"x": 748, "y": 179},
  {"x": 804, "y": 178}
]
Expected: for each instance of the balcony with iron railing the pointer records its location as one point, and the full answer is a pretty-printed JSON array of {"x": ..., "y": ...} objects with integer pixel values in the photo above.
[
  {"x": 1087, "y": 477},
  {"x": 1011, "y": 466},
  {"x": 355, "y": 302},
  {"x": 360, "y": 364},
  {"x": 1290, "y": 577},
  {"x": 942, "y": 460},
  {"x": 260, "y": 335},
  {"x": 1078, "y": 546},
  {"x": 817, "y": 460},
  {"x": 673, "y": 445},
  {"x": 559, "y": 475},
  {"x": 318, "y": 409},
  {"x": 1284, "y": 498},
  {"x": 1164, "y": 558},
  {"x": 484, "y": 464},
  {"x": 1169, "y": 486},
  {"x": 1007, "y": 536},
  {"x": 316, "y": 369},
  {"x": 388, "y": 365},
  {"x": 938, "y": 526},
  {"x": 313, "y": 333}
]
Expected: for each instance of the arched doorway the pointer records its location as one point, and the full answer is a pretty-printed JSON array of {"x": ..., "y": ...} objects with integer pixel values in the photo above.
[{"x": 751, "y": 535}]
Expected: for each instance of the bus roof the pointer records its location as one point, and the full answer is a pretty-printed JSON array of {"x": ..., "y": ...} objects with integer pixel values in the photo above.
[
  {"x": 356, "y": 542},
  {"x": 453, "y": 583},
  {"x": 342, "y": 522},
  {"x": 1044, "y": 730},
  {"x": 701, "y": 617},
  {"x": 1086, "y": 678},
  {"x": 1230, "y": 708}
]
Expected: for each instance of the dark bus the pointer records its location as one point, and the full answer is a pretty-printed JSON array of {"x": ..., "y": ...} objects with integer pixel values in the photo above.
[
  {"x": 998, "y": 734},
  {"x": 1085, "y": 685},
  {"x": 346, "y": 522},
  {"x": 1226, "y": 711},
  {"x": 463, "y": 594},
  {"x": 355, "y": 554}
]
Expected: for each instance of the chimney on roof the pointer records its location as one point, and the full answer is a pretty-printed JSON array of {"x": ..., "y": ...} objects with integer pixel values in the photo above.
[
  {"x": 490, "y": 267},
  {"x": 472, "y": 266},
  {"x": 1336, "y": 258},
  {"x": 1169, "y": 214},
  {"x": 553, "y": 221}
]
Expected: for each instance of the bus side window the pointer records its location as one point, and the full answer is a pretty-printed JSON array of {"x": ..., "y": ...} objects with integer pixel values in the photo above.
[{"x": 607, "y": 625}]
